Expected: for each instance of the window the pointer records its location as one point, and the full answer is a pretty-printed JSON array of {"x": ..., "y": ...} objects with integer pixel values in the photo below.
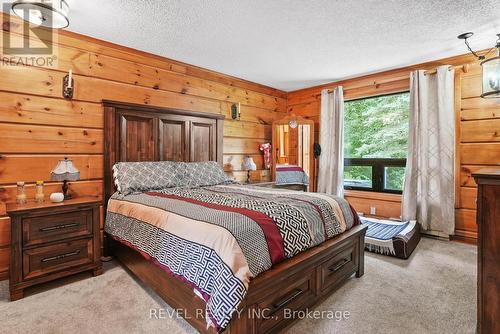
[{"x": 376, "y": 142}]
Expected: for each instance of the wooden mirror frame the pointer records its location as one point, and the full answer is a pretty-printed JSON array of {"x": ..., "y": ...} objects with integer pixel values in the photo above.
[{"x": 300, "y": 121}]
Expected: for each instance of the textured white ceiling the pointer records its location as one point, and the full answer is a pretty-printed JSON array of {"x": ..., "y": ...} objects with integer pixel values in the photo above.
[{"x": 291, "y": 44}]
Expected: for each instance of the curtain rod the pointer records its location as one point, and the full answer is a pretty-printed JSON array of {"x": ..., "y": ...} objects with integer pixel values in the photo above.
[{"x": 464, "y": 68}]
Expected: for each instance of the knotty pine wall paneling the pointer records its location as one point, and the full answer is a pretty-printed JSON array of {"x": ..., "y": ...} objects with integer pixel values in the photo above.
[
  {"x": 38, "y": 127},
  {"x": 477, "y": 139}
]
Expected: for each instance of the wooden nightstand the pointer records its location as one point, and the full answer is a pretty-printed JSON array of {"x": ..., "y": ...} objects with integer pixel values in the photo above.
[{"x": 50, "y": 241}]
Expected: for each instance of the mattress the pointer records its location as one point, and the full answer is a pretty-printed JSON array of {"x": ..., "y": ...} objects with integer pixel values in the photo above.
[{"x": 217, "y": 238}]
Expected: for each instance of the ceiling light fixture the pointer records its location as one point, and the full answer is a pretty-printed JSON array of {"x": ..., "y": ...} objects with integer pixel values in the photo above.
[
  {"x": 491, "y": 67},
  {"x": 46, "y": 13}
]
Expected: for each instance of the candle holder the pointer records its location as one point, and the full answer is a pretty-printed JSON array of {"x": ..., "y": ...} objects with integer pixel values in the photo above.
[{"x": 68, "y": 86}]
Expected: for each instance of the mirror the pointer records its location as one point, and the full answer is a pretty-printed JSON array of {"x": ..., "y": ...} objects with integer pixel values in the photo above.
[{"x": 292, "y": 149}]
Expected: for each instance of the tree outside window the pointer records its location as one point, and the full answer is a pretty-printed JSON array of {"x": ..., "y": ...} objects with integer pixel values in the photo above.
[{"x": 376, "y": 142}]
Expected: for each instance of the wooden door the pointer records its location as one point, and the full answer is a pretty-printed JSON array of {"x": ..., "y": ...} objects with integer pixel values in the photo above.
[
  {"x": 173, "y": 138},
  {"x": 137, "y": 136},
  {"x": 203, "y": 140}
]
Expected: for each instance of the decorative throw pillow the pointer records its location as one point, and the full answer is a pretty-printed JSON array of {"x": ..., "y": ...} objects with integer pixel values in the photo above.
[
  {"x": 199, "y": 174},
  {"x": 133, "y": 177}
]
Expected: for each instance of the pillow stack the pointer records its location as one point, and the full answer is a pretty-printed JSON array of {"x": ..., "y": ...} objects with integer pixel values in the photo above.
[{"x": 134, "y": 177}]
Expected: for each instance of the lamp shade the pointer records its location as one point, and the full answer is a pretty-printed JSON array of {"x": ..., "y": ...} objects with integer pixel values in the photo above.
[
  {"x": 248, "y": 164},
  {"x": 65, "y": 171},
  {"x": 46, "y": 13},
  {"x": 491, "y": 77}
]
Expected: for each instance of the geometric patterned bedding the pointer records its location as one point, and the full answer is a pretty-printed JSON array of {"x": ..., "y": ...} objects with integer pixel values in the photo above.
[
  {"x": 217, "y": 238},
  {"x": 142, "y": 176}
]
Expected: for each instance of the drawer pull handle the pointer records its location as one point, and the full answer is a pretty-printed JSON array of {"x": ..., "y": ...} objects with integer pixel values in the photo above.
[
  {"x": 338, "y": 265},
  {"x": 58, "y": 227},
  {"x": 280, "y": 304},
  {"x": 62, "y": 256}
]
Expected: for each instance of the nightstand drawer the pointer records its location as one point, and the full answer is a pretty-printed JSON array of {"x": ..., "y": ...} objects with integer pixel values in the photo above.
[
  {"x": 64, "y": 225},
  {"x": 44, "y": 260}
]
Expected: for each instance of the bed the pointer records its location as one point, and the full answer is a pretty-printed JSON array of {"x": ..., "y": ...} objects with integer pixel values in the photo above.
[
  {"x": 291, "y": 175},
  {"x": 228, "y": 257}
]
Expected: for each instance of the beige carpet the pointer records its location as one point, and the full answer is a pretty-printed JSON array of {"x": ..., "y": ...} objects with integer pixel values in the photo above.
[{"x": 432, "y": 292}]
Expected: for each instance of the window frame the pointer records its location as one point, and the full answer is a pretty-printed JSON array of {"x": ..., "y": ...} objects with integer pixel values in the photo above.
[
  {"x": 378, "y": 172},
  {"x": 377, "y": 164}
]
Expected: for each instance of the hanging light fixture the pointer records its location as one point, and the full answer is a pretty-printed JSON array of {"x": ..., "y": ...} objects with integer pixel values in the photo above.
[
  {"x": 491, "y": 68},
  {"x": 46, "y": 13}
]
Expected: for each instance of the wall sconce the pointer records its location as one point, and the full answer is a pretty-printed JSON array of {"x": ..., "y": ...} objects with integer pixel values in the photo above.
[
  {"x": 236, "y": 111},
  {"x": 68, "y": 85},
  {"x": 491, "y": 68}
]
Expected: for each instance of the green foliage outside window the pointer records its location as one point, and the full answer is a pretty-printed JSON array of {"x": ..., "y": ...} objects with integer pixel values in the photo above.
[
  {"x": 394, "y": 178},
  {"x": 376, "y": 127}
]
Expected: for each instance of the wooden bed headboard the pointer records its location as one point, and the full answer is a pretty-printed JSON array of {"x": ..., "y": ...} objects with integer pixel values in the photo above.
[{"x": 143, "y": 133}]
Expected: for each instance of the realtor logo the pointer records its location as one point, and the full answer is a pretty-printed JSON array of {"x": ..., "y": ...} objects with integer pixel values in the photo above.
[{"x": 26, "y": 44}]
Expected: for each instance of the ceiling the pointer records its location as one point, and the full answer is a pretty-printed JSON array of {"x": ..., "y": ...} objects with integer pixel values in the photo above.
[{"x": 291, "y": 44}]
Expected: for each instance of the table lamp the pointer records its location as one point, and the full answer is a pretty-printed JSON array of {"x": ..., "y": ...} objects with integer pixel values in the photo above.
[
  {"x": 65, "y": 171},
  {"x": 249, "y": 165}
]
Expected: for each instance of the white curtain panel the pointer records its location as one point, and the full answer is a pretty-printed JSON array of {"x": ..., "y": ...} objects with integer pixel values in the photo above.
[
  {"x": 429, "y": 190},
  {"x": 331, "y": 160}
]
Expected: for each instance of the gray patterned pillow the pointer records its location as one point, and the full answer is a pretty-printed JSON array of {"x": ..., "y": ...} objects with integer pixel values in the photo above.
[
  {"x": 133, "y": 177},
  {"x": 199, "y": 174}
]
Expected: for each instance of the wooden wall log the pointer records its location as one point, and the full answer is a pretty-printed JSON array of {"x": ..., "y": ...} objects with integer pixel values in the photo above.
[
  {"x": 30, "y": 109},
  {"x": 32, "y": 168}
]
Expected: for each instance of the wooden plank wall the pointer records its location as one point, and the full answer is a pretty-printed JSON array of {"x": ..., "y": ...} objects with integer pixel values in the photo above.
[
  {"x": 477, "y": 140},
  {"x": 478, "y": 145},
  {"x": 38, "y": 127}
]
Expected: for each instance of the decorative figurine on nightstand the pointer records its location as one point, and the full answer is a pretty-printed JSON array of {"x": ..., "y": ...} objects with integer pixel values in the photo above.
[
  {"x": 39, "y": 195},
  {"x": 248, "y": 165},
  {"x": 65, "y": 171},
  {"x": 21, "y": 194},
  {"x": 266, "y": 148}
]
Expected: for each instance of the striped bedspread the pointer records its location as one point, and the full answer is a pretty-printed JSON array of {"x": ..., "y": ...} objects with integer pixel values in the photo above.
[{"x": 218, "y": 238}]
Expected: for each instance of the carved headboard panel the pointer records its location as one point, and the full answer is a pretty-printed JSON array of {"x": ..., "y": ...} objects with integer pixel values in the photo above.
[{"x": 143, "y": 133}]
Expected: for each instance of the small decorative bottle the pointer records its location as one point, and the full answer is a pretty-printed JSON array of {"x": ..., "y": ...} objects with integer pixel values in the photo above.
[
  {"x": 39, "y": 196},
  {"x": 21, "y": 195}
]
